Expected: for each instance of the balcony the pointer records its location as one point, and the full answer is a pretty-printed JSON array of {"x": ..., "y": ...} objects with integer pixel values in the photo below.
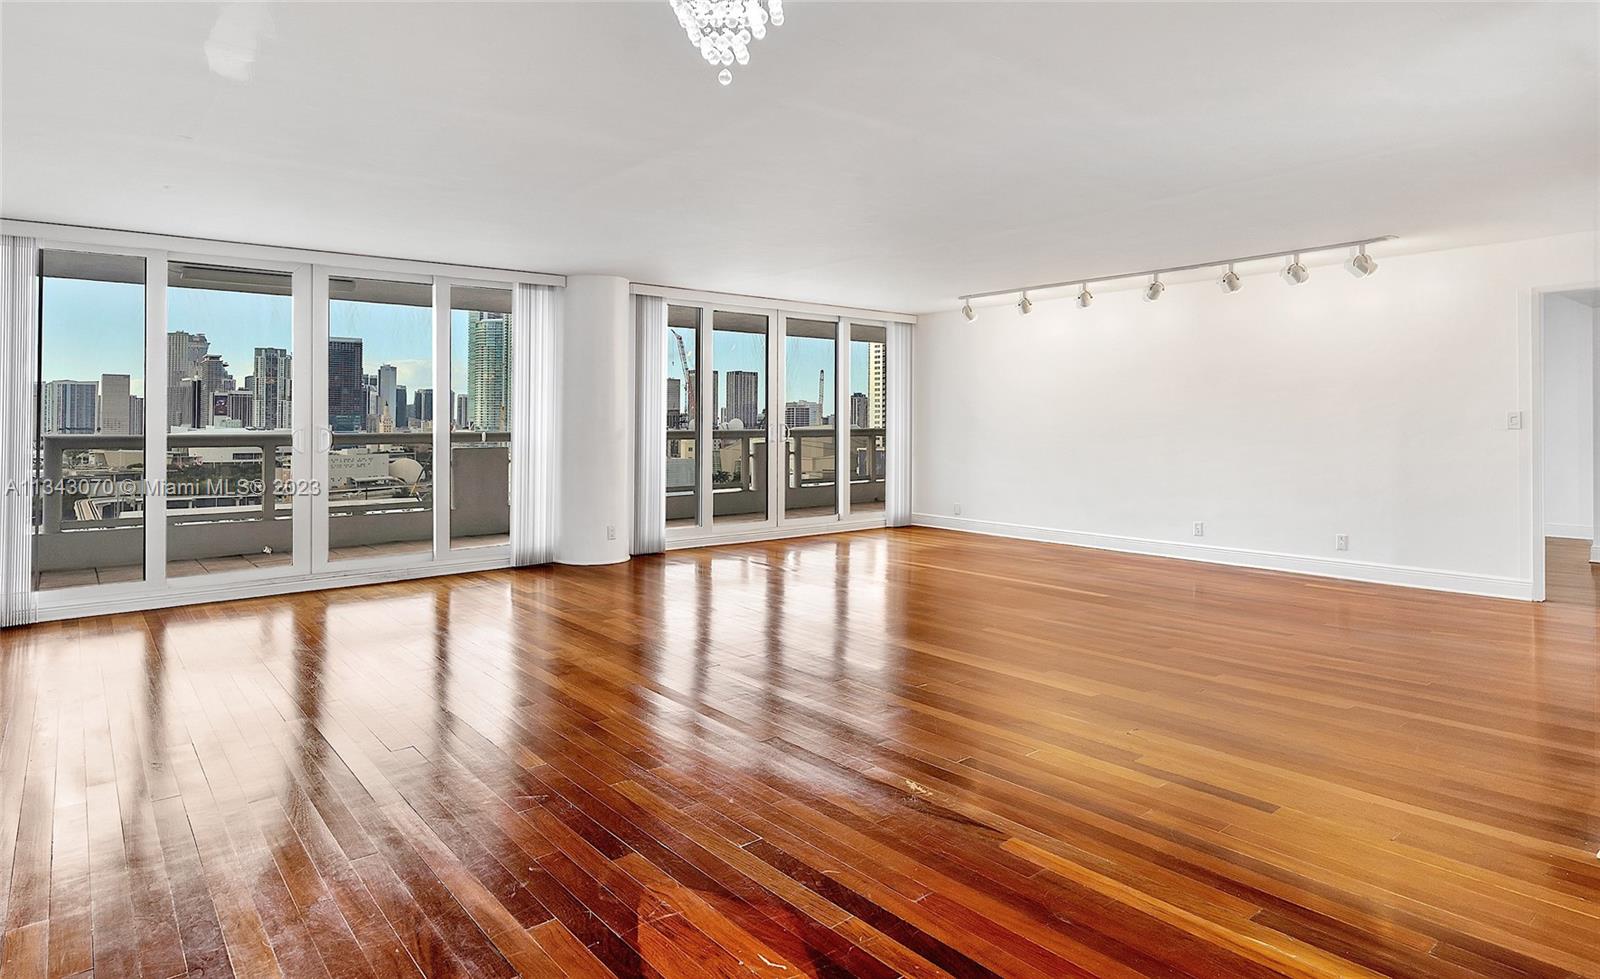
[
  {"x": 739, "y": 474},
  {"x": 97, "y": 537}
]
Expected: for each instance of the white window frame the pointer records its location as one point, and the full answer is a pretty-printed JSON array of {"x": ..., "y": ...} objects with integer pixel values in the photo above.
[
  {"x": 310, "y": 268},
  {"x": 775, "y": 527}
]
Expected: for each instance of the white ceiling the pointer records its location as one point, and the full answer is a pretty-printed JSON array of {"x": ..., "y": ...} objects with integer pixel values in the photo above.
[{"x": 888, "y": 155}]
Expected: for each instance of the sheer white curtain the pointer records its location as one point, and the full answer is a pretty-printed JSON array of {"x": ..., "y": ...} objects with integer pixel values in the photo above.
[
  {"x": 897, "y": 419},
  {"x": 650, "y": 427},
  {"x": 19, "y": 363},
  {"x": 535, "y": 321}
]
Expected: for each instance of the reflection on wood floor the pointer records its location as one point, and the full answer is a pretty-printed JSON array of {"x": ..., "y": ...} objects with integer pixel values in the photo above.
[{"x": 906, "y": 752}]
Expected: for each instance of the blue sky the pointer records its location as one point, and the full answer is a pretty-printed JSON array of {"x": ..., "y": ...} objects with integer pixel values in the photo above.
[{"x": 94, "y": 328}]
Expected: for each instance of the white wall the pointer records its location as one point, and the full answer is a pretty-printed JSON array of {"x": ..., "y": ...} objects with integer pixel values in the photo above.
[
  {"x": 1569, "y": 462},
  {"x": 1280, "y": 416}
]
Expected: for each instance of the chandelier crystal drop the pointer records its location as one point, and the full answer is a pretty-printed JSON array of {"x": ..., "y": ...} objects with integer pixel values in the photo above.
[{"x": 723, "y": 30}]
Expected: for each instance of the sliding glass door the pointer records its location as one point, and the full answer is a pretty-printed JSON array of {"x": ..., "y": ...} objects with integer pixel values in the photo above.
[
  {"x": 89, "y": 518},
  {"x": 207, "y": 421},
  {"x": 231, "y": 468},
  {"x": 376, "y": 341},
  {"x": 412, "y": 382},
  {"x": 809, "y": 466},
  {"x": 774, "y": 421}
]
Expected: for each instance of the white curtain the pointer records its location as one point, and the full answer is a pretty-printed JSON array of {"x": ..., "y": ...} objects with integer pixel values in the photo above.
[
  {"x": 897, "y": 419},
  {"x": 535, "y": 320},
  {"x": 19, "y": 362},
  {"x": 650, "y": 427}
]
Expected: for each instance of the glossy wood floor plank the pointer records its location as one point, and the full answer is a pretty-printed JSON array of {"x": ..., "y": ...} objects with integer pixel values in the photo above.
[{"x": 901, "y": 753}]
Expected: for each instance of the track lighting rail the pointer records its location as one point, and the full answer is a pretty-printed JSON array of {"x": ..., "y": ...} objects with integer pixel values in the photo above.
[{"x": 1216, "y": 263}]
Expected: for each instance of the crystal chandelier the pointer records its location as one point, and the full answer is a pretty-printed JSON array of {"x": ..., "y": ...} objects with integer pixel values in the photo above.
[{"x": 723, "y": 29}]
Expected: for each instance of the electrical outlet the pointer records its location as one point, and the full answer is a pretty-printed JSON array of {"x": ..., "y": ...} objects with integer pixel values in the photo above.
[
  {"x": 1514, "y": 420},
  {"x": 1199, "y": 528},
  {"x": 611, "y": 531},
  {"x": 1341, "y": 542},
  {"x": 958, "y": 509}
]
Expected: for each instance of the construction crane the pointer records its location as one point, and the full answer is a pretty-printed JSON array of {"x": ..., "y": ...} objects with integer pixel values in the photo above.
[{"x": 688, "y": 375}]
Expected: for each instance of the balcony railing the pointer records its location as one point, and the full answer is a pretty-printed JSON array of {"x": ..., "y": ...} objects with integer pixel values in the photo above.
[
  {"x": 739, "y": 470},
  {"x": 218, "y": 509}
]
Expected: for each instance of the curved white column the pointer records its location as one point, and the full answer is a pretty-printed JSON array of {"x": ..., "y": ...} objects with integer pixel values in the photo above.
[{"x": 594, "y": 500}]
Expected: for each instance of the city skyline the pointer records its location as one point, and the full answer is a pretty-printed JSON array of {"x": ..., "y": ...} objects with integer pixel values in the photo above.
[
  {"x": 98, "y": 328},
  {"x": 802, "y": 363}
]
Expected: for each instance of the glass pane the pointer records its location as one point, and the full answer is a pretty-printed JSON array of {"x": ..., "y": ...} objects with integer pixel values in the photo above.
[
  {"x": 739, "y": 448},
  {"x": 230, "y": 337},
  {"x": 868, "y": 375},
  {"x": 88, "y": 517},
  {"x": 480, "y": 450},
  {"x": 810, "y": 487},
  {"x": 683, "y": 466},
  {"x": 380, "y": 470}
]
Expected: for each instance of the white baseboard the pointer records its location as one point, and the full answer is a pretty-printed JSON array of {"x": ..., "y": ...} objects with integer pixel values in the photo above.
[
  {"x": 1575, "y": 531},
  {"x": 1382, "y": 574}
]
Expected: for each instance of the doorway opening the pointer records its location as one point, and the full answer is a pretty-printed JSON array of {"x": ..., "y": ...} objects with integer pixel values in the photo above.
[{"x": 1569, "y": 427}]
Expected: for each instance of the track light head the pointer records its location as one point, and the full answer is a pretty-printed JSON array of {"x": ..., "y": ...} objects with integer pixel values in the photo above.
[
  {"x": 1296, "y": 273},
  {"x": 1154, "y": 290},
  {"x": 1231, "y": 281},
  {"x": 966, "y": 310},
  {"x": 1085, "y": 297},
  {"x": 1025, "y": 304},
  {"x": 1363, "y": 264}
]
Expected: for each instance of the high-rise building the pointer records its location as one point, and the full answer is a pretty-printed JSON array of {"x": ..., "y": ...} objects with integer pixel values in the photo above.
[
  {"x": 488, "y": 370},
  {"x": 185, "y": 351},
  {"x": 69, "y": 407},
  {"x": 802, "y": 414},
  {"x": 115, "y": 401},
  {"x": 135, "y": 415},
  {"x": 422, "y": 406},
  {"x": 385, "y": 405},
  {"x": 462, "y": 417},
  {"x": 876, "y": 368},
  {"x": 402, "y": 408},
  {"x": 270, "y": 405},
  {"x": 675, "y": 413},
  {"x": 347, "y": 397},
  {"x": 212, "y": 373},
  {"x": 238, "y": 407},
  {"x": 858, "y": 410},
  {"x": 743, "y": 400}
]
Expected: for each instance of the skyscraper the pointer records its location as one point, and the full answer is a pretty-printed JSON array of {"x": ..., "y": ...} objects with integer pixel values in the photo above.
[
  {"x": 743, "y": 399},
  {"x": 347, "y": 398},
  {"x": 402, "y": 408},
  {"x": 270, "y": 406},
  {"x": 212, "y": 373},
  {"x": 674, "y": 403},
  {"x": 69, "y": 407},
  {"x": 858, "y": 410},
  {"x": 115, "y": 401},
  {"x": 387, "y": 376},
  {"x": 184, "y": 353},
  {"x": 461, "y": 411},
  {"x": 422, "y": 405},
  {"x": 488, "y": 377},
  {"x": 876, "y": 369}
]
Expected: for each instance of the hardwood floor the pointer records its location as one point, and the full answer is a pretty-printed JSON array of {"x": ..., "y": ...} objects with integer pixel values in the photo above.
[{"x": 909, "y": 752}]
